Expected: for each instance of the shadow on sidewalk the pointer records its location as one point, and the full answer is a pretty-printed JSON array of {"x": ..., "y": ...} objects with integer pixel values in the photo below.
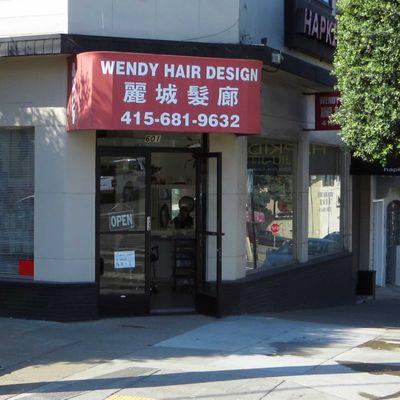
[
  {"x": 384, "y": 312},
  {"x": 153, "y": 379}
]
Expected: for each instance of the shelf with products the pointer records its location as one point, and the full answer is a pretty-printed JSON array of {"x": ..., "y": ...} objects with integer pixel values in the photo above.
[
  {"x": 170, "y": 232},
  {"x": 184, "y": 268}
]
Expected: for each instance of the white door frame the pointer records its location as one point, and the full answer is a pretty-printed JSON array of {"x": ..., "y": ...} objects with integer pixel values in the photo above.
[{"x": 379, "y": 241}]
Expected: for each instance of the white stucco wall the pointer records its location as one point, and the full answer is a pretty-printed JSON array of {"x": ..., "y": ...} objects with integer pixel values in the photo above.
[
  {"x": 234, "y": 198},
  {"x": 27, "y": 17},
  {"x": 33, "y": 92},
  {"x": 195, "y": 20},
  {"x": 288, "y": 109}
]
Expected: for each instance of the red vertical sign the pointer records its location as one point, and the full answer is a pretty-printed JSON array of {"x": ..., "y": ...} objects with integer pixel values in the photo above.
[{"x": 326, "y": 104}]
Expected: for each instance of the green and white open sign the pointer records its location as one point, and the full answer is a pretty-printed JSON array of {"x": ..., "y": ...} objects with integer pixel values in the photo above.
[{"x": 121, "y": 220}]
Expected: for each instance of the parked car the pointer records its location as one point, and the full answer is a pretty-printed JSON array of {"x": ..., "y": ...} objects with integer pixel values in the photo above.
[
  {"x": 335, "y": 236},
  {"x": 266, "y": 238},
  {"x": 319, "y": 247},
  {"x": 281, "y": 256},
  {"x": 285, "y": 253}
]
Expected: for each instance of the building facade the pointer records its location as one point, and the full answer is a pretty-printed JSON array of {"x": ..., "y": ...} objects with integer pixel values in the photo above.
[
  {"x": 244, "y": 207},
  {"x": 375, "y": 224}
]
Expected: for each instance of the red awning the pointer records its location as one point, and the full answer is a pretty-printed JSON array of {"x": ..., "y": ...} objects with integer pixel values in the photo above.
[{"x": 136, "y": 91}]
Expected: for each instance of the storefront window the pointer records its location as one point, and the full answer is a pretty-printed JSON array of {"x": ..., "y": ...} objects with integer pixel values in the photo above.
[
  {"x": 270, "y": 205},
  {"x": 324, "y": 208},
  {"x": 16, "y": 199}
]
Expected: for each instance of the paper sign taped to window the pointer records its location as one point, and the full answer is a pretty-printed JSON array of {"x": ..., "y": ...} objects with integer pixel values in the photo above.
[
  {"x": 107, "y": 183},
  {"x": 124, "y": 259}
]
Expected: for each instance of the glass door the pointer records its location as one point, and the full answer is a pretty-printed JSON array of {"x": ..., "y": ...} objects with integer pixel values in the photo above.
[
  {"x": 209, "y": 234},
  {"x": 123, "y": 230},
  {"x": 173, "y": 231}
]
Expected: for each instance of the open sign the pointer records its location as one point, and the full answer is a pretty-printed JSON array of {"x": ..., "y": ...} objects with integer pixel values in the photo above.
[{"x": 121, "y": 221}]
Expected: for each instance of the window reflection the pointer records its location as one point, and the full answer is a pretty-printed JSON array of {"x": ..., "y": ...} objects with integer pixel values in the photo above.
[
  {"x": 324, "y": 211},
  {"x": 270, "y": 211}
]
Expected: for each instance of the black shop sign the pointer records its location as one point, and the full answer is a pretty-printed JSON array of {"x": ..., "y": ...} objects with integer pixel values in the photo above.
[
  {"x": 360, "y": 167},
  {"x": 310, "y": 28}
]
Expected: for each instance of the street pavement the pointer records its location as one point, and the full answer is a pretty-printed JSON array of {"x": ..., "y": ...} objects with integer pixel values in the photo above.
[{"x": 347, "y": 353}]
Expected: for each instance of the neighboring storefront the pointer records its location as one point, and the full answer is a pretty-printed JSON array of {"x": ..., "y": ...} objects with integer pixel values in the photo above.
[{"x": 377, "y": 232}]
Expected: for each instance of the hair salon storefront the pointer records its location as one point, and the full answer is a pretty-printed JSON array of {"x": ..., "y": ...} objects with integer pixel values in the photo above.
[
  {"x": 159, "y": 189},
  {"x": 167, "y": 184}
]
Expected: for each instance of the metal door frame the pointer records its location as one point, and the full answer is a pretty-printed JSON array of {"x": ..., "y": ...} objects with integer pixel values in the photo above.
[
  {"x": 132, "y": 151},
  {"x": 206, "y": 303}
]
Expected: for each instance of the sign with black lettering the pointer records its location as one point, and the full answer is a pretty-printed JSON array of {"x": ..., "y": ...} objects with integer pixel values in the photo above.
[
  {"x": 124, "y": 259},
  {"x": 121, "y": 221},
  {"x": 152, "y": 139}
]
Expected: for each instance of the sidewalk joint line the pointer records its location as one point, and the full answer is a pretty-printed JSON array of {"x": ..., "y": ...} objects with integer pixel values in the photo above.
[{"x": 271, "y": 390}]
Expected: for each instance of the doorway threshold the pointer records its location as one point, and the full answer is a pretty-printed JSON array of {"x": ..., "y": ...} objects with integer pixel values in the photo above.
[{"x": 173, "y": 311}]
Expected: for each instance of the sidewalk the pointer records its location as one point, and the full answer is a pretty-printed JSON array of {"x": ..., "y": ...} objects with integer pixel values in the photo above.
[{"x": 338, "y": 353}]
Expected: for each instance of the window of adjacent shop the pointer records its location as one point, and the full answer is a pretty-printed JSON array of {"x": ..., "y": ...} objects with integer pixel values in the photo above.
[
  {"x": 270, "y": 210},
  {"x": 16, "y": 202},
  {"x": 325, "y": 201}
]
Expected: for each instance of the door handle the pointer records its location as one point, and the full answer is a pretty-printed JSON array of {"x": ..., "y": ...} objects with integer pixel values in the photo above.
[
  {"x": 210, "y": 233},
  {"x": 148, "y": 224}
]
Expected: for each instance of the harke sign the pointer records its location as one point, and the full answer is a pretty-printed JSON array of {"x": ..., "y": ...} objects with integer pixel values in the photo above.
[{"x": 152, "y": 92}]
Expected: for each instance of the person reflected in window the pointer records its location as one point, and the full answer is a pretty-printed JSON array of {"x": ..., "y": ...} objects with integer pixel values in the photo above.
[
  {"x": 184, "y": 220},
  {"x": 128, "y": 193}
]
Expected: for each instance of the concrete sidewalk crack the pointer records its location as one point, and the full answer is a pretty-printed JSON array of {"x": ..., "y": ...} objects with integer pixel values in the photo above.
[
  {"x": 338, "y": 355},
  {"x": 320, "y": 391},
  {"x": 271, "y": 390}
]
